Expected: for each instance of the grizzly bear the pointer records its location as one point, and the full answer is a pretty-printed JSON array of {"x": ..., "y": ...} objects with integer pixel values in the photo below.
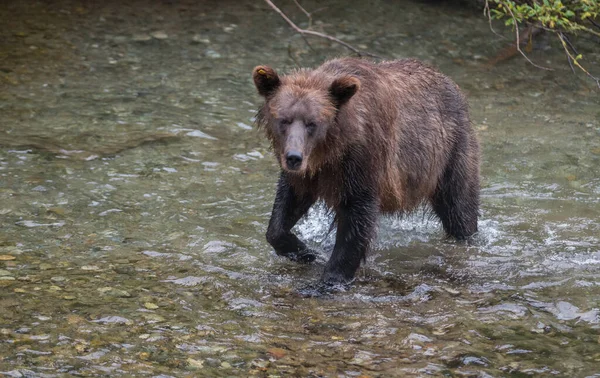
[{"x": 367, "y": 138}]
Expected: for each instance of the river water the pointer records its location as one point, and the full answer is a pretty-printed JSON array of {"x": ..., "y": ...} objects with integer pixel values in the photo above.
[{"x": 135, "y": 194}]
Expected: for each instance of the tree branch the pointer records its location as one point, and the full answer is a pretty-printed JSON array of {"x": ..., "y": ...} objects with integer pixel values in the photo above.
[
  {"x": 570, "y": 44},
  {"x": 519, "y": 42},
  {"x": 561, "y": 37},
  {"x": 317, "y": 34},
  {"x": 305, "y": 12},
  {"x": 488, "y": 13}
]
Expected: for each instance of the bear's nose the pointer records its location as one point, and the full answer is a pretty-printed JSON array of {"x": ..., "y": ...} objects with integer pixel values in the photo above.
[{"x": 293, "y": 160}]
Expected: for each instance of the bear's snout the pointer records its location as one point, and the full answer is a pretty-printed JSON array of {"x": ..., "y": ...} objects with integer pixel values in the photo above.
[
  {"x": 295, "y": 151},
  {"x": 293, "y": 160}
]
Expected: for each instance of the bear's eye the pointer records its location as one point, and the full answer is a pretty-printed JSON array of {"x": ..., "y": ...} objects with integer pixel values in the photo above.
[
  {"x": 311, "y": 125},
  {"x": 285, "y": 122}
]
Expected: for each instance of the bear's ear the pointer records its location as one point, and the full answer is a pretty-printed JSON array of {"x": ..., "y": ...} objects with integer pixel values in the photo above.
[
  {"x": 266, "y": 80},
  {"x": 342, "y": 89}
]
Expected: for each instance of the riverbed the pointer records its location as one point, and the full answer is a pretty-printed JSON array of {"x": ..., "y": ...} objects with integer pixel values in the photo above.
[{"x": 135, "y": 193}]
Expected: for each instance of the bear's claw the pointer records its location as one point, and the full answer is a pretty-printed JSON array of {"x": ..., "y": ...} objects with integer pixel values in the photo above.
[{"x": 305, "y": 257}]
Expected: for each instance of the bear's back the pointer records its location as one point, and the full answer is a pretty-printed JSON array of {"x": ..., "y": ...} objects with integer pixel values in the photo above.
[{"x": 411, "y": 114}]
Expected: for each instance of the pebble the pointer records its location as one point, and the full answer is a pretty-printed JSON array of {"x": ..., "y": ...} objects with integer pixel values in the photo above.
[
  {"x": 154, "y": 338},
  {"x": 7, "y": 257},
  {"x": 75, "y": 319},
  {"x": 362, "y": 358},
  {"x": 177, "y": 234},
  {"x": 111, "y": 291},
  {"x": 452, "y": 292},
  {"x": 150, "y": 306},
  {"x": 56, "y": 210},
  {"x": 277, "y": 353},
  {"x": 159, "y": 35},
  {"x": 212, "y": 54},
  {"x": 90, "y": 267},
  {"x": 113, "y": 320},
  {"x": 141, "y": 37},
  {"x": 197, "y": 38},
  {"x": 10, "y": 250},
  {"x": 31, "y": 224},
  {"x": 195, "y": 364},
  {"x": 153, "y": 318},
  {"x": 260, "y": 364}
]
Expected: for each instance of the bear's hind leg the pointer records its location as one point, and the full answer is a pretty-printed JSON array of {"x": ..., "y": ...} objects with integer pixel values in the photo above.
[
  {"x": 456, "y": 200},
  {"x": 287, "y": 211}
]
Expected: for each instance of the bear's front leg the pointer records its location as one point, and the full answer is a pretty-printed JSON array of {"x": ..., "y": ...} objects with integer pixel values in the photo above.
[
  {"x": 287, "y": 211},
  {"x": 356, "y": 228}
]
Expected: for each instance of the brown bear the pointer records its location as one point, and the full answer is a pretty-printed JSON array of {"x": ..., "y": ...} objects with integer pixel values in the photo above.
[{"x": 367, "y": 138}]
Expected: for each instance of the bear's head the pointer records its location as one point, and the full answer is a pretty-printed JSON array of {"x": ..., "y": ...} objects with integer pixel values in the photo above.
[{"x": 300, "y": 114}]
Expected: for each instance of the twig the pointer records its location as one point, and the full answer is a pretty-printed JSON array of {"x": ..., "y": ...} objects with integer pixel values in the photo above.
[
  {"x": 305, "y": 12},
  {"x": 309, "y": 24},
  {"x": 488, "y": 12},
  {"x": 571, "y": 63},
  {"x": 570, "y": 44},
  {"x": 519, "y": 42},
  {"x": 317, "y": 34},
  {"x": 318, "y": 10},
  {"x": 307, "y": 43},
  {"x": 594, "y": 23},
  {"x": 572, "y": 49},
  {"x": 571, "y": 57}
]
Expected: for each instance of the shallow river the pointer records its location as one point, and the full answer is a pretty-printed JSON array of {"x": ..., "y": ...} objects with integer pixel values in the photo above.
[{"x": 135, "y": 194}]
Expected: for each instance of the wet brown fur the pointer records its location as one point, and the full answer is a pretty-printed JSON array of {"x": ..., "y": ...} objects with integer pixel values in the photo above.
[
  {"x": 373, "y": 138},
  {"x": 405, "y": 114}
]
